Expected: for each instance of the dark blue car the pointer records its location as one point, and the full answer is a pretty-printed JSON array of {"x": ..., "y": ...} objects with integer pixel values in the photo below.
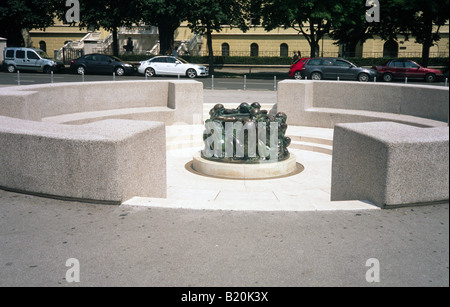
[{"x": 101, "y": 64}]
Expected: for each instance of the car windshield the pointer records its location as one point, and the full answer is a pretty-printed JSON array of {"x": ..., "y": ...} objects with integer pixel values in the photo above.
[
  {"x": 115, "y": 58},
  {"x": 42, "y": 54},
  {"x": 182, "y": 61}
]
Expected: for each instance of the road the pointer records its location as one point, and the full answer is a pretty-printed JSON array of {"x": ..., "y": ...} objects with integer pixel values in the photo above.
[
  {"x": 157, "y": 247},
  {"x": 249, "y": 82}
]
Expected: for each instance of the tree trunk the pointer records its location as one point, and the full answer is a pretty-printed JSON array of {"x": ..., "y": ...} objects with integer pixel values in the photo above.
[
  {"x": 425, "y": 54},
  {"x": 315, "y": 48},
  {"x": 115, "y": 44},
  {"x": 166, "y": 31},
  {"x": 26, "y": 38},
  {"x": 313, "y": 41},
  {"x": 427, "y": 42},
  {"x": 210, "y": 49}
]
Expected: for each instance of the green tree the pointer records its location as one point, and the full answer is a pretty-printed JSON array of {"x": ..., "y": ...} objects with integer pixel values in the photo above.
[
  {"x": 167, "y": 15},
  {"x": 353, "y": 27},
  {"x": 206, "y": 16},
  {"x": 420, "y": 19},
  {"x": 428, "y": 14},
  {"x": 17, "y": 15},
  {"x": 110, "y": 15},
  {"x": 311, "y": 18}
]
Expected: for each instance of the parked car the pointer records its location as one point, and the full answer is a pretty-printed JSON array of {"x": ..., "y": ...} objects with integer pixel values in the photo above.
[
  {"x": 171, "y": 66},
  {"x": 296, "y": 70},
  {"x": 395, "y": 68},
  {"x": 101, "y": 64},
  {"x": 29, "y": 59},
  {"x": 334, "y": 68}
]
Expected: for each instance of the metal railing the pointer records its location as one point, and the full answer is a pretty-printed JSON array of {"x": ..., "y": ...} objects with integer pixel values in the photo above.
[{"x": 307, "y": 53}]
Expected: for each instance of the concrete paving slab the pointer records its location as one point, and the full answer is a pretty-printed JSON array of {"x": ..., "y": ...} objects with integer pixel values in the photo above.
[{"x": 157, "y": 247}]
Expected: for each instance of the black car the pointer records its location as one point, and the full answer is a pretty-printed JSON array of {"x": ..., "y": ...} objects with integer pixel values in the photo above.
[
  {"x": 336, "y": 68},
  {"x": 101, "y": 64}
]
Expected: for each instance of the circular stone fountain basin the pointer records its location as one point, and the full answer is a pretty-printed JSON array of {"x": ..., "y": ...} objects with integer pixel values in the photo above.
[{"x": 247, "y": 171}]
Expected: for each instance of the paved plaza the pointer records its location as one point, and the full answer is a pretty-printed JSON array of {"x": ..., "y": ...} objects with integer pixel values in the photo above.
[{"x": 210, "y": 232}]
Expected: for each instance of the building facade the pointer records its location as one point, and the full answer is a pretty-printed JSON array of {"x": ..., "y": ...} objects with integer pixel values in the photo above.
[{"x": 228, "y": 42}]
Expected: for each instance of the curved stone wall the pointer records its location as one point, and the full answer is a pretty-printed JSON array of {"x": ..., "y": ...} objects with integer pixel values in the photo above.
[
  {"x": 327, "y": 103},
  {"x": 38, "y": 102},
  {"x": 105, "y": 158}
]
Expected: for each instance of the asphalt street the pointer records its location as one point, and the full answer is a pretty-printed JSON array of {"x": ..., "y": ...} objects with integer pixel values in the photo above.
[
  {"x": 241, "y": 81},
  {"x": 130, "y": 246},
  {"x": 30, "y": 78}
]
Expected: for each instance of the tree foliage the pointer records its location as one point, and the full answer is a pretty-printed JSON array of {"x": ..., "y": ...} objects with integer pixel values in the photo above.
[
  {"x": 167, "y": 15},
  {"x": 311, "y": 18},
  {"x": 420, "y": 19},
  {"x": 206, "y": 16},
  {"x": 110, "y": 15},
  {"x": 353, "y": 27},
  {"x": 16, "y": 15}
]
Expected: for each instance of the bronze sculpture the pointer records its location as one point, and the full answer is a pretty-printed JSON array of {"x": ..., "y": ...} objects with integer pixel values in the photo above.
[{"x": 246, "y": 134}]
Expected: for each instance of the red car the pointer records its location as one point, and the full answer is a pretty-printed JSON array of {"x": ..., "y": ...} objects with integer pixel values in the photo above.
[
  {"x": 297, "y": 68},
  {"x": 395, "y": 69}
]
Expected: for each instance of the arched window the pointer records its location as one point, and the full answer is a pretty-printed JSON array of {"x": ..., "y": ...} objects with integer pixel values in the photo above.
[
  {"x": 225, "y": 49},
  {"x": 284, "y": 50},
  {"x": 254, "y": 49},
  {"x": 43, "y": 46},
  {"x": 390, "y": 49}
]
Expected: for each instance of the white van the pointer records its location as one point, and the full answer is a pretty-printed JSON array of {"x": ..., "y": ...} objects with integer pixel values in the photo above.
[{"x": 17, "y": 58}]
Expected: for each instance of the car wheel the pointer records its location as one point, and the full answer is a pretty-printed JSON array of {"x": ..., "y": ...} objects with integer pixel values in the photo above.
[
  {"x": 11, "y": 68},
  {"x": 298, "y": 75},
  {"x": 81, "y": 70},
  {"x": 47, "y": 70},
  {"x": 363, "y": 77},
  {"x": 120, "y": 71},
  {"x": 150, "y": 72},
  {"x": 430, "y": 78},
  {"x": 191, "y": 73},
  {"x": 316, "y": 76},
  {"x": 388, "y": 77}
]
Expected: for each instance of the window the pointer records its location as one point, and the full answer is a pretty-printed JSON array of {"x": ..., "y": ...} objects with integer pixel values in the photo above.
[
  {"x": 254, "y": 49},
  {"x": 103, "y": 58},
  {"x": 171, "y": 60},
  {"x": 284, "y": 50},
  {"x": 43, "y": 46},
  {"x": 327, "y": 63},
  {"x": 20, "y": 54},
  {"x": 225, "y": 49},
  {"x": 159, "y": 60},
  {"x": 89, "y": 58},
  {"x": 314, "y": 62},
  {"x": 411, "y": 65},
  {"x": 390, "y": 49},
  {"x": 32, "y": 56},
  {"x": 398, "y": 64},
  {"x": 341, "y": 63},
  {"x": 10, "y": 54}
]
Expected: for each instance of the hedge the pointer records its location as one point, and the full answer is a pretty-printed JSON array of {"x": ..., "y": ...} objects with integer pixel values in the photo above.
[{"x": 219, "y": 60}]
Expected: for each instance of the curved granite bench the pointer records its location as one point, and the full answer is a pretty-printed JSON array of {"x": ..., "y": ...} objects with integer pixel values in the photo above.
[
  {"x": 79, "y": 103},
  {"x": 327, "y": 103},
  {"x": 390, "y": 143},
  {"x": 390, "y": 164},
  {"x": 73, "y": 140},
  {"x": 105, "y": 162}
]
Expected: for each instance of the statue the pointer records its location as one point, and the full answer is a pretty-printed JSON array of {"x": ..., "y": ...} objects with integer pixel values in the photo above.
[{"x": 246, "y": 134}]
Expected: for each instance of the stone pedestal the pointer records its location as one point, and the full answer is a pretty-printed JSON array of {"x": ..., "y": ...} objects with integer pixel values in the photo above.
[{"x": 245, "y": 171}]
